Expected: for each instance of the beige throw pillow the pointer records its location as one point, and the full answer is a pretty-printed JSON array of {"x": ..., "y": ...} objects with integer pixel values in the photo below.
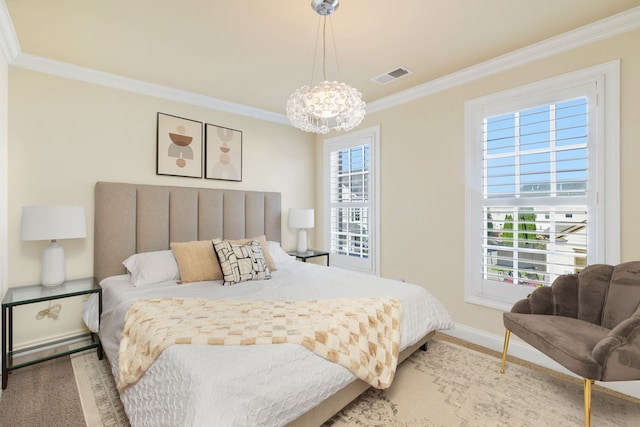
[{"x": 197, "y": 261}]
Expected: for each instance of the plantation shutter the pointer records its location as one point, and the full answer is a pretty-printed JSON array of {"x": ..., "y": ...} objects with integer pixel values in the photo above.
[
  {"x": 535, "y": 192},
  {"x": 350, "y": 201}
]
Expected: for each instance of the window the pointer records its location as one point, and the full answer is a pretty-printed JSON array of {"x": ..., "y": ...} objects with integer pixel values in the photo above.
[
  {"x": 351, "y": 197},
  {"x": 540, "y": 183}
]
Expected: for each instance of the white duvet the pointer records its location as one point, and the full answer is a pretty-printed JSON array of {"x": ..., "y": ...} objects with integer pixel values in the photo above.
[{"x": 260, "y": 385}]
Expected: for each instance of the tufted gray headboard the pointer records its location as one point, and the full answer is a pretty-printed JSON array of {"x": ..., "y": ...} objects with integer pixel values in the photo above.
[{"x": 133, "y": 218}]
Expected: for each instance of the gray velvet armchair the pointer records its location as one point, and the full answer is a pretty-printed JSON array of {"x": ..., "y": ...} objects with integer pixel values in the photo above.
[{"x": 588, "y": 322}]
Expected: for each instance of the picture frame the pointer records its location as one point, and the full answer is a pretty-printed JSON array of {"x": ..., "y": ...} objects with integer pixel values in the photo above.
[
  {"x": 179, "y": 147},
  {"x": 223, "y": 153}
]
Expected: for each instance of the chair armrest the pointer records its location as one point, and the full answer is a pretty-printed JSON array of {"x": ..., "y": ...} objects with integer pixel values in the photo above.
[
  {"x": 540, "y": 301},
  {"x": 560, "y": 299},
  {"x": 521, "y": 306},
  {"x": 619, "y": 351}
]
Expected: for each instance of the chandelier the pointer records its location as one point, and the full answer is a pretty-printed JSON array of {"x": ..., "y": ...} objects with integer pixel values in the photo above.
[{"x": 328, "y": 105}]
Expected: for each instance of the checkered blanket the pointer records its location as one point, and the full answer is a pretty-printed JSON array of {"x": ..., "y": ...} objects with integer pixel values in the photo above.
[{"x": 361, "y": 334}]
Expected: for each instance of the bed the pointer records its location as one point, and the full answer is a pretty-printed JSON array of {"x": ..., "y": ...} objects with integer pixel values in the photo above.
[{"x": 234, "y": 385}]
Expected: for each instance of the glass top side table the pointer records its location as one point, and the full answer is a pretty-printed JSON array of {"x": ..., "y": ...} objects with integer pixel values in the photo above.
[{"x": 31, "y": 294}]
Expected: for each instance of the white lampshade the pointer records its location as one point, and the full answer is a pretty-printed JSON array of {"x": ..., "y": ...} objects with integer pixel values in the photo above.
[
  {"x": 301, "y": 219},
  {"x": 53, "y": 223}
]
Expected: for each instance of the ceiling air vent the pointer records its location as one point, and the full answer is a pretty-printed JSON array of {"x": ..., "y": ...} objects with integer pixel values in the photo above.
[{"x": 391, "y": 76}]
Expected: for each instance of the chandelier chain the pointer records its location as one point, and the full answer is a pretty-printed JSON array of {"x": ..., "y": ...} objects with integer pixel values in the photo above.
[
  {"x": 324, "y": 48},
  {"x": 315, "y": 52},
  {"x": 335, "y": 51}
]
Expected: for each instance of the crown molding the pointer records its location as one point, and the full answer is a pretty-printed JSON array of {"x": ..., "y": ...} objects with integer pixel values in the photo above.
[
  {"x": 8, "y": 39},
  {"x": 62, "y": 69},
  {"x": 600, "y": 30}
]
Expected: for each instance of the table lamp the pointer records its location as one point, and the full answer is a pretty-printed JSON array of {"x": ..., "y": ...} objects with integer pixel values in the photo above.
[
  {"x": 301, "y": 219},
  {"x": 53, "y": 223}
]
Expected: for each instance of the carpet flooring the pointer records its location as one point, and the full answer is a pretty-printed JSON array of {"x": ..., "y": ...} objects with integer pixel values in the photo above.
[
  {"x": 42, "y": 395},
  {"x": 449, "y": 385}
]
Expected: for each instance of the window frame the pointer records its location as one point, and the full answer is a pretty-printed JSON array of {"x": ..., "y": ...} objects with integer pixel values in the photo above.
[
  {"x": 370, "y": 136},
  {"x": 604, "y": 172}
]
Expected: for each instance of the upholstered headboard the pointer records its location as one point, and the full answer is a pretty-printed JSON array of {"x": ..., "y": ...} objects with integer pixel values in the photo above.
[{"x": 132, "y": 218}]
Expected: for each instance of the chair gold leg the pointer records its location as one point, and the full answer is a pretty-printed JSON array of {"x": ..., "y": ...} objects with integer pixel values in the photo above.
[
  {"x": 504, "y": 350},
  {"x": 587, "y": 402}
]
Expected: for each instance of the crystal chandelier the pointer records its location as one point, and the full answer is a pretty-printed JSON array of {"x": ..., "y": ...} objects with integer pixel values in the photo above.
[{"x": 328, "y": 105}]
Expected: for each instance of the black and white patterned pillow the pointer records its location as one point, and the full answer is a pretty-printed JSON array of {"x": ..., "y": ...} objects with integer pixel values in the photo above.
[{"x": 241, "y": 262}]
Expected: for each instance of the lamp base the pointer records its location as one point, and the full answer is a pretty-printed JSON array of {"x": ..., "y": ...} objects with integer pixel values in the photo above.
[
  {"x": 302, "y": 241},
  {"x": 53, "y": 268}
]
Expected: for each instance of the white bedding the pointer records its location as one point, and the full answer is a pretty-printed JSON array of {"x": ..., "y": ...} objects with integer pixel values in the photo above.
[{"x": 260, "y": 385}]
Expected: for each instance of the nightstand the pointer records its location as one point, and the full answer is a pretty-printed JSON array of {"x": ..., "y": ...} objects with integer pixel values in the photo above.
[
  {"x": 37, "y": 293},
  {"x": 311, "y": 253}
]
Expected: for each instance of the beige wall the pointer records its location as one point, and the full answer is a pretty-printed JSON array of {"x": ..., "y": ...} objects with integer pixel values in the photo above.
[
  {"x": 422, "y": 175},
  {"x": 4, "y": 120},
  {"x": 65, "y": 135}
]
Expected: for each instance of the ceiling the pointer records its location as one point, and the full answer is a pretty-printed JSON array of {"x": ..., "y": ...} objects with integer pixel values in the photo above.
[{"x": 257, "y": 52}]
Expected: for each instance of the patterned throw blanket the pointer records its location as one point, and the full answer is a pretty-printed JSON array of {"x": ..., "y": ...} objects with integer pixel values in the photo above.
[{"x": 361, "y": 334}]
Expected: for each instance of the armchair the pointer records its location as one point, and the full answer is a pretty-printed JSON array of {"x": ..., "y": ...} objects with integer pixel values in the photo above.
[{"x": 588, "y": 322}]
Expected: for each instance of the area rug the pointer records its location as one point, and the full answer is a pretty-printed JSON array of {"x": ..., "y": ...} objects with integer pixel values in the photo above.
[
  {"x": 97, "y": 389},
  {"x": 451, "y": 385},
  {"x": 448, "y": 385}
]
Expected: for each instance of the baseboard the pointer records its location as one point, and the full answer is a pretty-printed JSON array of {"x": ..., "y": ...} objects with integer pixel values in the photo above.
[
  {"x": 51, "y": 341},
  {"x": 524, "y": 351}
]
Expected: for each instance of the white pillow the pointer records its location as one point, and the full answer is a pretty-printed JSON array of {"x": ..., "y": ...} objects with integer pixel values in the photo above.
[
  {"x": 152, "y": 267},
  {"x": 277, "y": 253}
]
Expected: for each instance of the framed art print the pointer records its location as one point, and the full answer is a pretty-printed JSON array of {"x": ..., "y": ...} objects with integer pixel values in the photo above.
[
  {"x": 179, "y": 149},
  {"x": 223, "y": 153}
]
